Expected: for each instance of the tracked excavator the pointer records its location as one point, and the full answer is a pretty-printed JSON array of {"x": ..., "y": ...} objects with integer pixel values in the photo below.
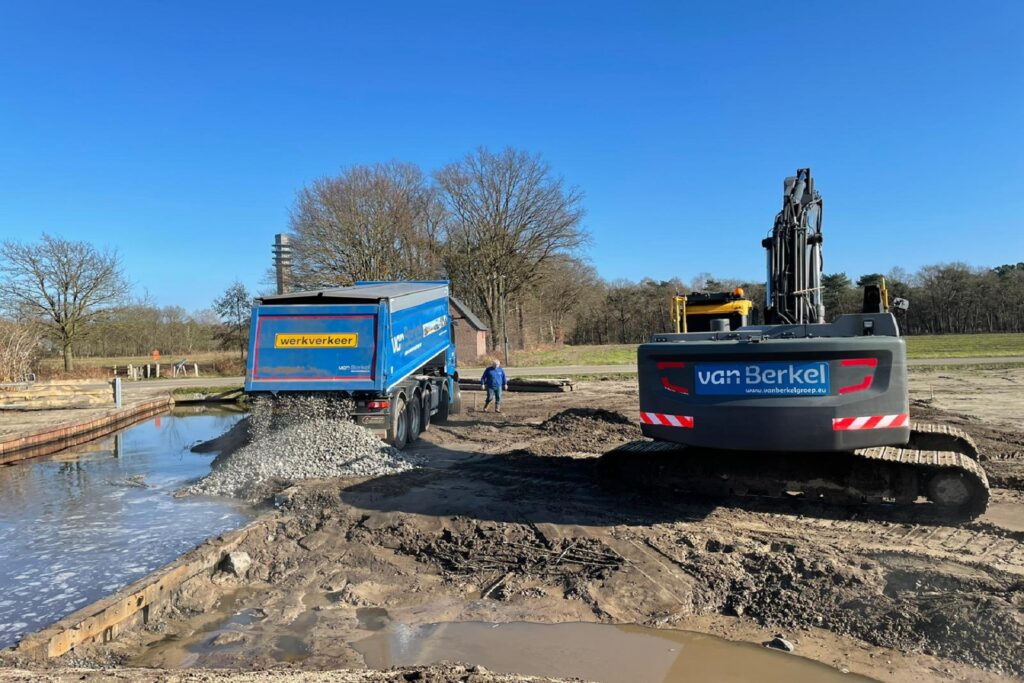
[{"x": 795, "y": 407}]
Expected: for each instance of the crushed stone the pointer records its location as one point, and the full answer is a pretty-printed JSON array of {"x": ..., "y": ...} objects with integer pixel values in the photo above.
[{"x": 297, "y": 438}]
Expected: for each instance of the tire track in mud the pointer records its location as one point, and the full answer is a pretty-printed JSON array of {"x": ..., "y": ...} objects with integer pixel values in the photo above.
[{"x": 908, "y": 588}]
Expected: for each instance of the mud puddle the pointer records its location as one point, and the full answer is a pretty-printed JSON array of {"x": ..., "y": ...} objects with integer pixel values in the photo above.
[
  {"x": 80, "y": 524},
  {"x": 597, "y": 652}
]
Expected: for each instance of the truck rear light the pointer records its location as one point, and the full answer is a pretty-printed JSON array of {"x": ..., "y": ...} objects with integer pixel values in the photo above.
[
  {"x": 378, "y": 405},
  {"x": 865, "y": 383}
]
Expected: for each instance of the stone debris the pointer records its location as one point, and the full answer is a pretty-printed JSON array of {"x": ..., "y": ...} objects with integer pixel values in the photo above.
[
  {"x": 780, "y": 643},
  {"x": 236, "y": 563},
  {"x": 295, "y": 439}
]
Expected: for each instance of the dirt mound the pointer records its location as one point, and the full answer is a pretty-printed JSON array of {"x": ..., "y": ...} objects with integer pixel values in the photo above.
[
  {"x": 573, "y": 418},
  {"x": 582, "y": 430}
]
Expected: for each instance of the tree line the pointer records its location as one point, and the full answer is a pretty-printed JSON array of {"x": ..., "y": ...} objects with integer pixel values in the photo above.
[
  {"x": 68, "y": 298},
  {"x": 951, "y": 298},
  {"x": 503, "y": 227}
]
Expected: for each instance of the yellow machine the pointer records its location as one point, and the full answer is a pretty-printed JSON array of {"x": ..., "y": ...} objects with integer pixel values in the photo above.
[{"x": 694, "y": 312}]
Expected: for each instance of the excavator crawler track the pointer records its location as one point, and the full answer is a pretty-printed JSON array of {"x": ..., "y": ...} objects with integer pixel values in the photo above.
[{"x": 938, "y": 466}]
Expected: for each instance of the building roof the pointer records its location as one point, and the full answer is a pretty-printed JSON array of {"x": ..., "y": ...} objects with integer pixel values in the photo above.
[{"x": 464, "y": 311}]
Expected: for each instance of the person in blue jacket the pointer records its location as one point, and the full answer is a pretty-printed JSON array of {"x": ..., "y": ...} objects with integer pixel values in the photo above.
[{"x": 494, "y": 381}]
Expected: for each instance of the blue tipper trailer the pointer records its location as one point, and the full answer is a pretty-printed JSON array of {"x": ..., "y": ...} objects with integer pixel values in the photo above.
[{"x": 389, "y": 346}]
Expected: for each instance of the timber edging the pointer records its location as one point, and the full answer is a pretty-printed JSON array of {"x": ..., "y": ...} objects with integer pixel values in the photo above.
[
  {"x": 66, "y": 435},
  {"x": 134, "y": 605}
]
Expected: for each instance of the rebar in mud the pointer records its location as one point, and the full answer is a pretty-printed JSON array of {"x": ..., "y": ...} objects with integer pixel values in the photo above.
[{"x": 939, "y": 464}]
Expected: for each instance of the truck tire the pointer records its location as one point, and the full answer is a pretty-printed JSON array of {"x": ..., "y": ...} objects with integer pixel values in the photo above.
[
  {"x": 441, "y": 416},
  {"x": 425, "y": 412},
  {"x": 456, "y": 407},
  {"x": 414, "y": 410},
  {"x": 398, "y": 434}
]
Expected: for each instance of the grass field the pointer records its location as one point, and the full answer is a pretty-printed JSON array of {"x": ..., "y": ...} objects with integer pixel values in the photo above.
[
  {"x": 965, "y": 345},
  {"x": 937, "y": 346}
]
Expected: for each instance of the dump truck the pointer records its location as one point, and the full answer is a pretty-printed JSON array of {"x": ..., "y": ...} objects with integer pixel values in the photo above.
[
  {"x": 385, "y": 347},
  {"x": 796, "y": 407}
]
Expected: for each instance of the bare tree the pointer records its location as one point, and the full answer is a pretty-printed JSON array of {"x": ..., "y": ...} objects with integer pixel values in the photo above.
[
  {"x": 508, "y": 215},
  {"x": 20, "y": 348},
  {"x": 369, "y": 223},
  {"x": 235, "y": 310},
  {"x": 63, "y": 284},
  {"x": 560, "y": 294}
]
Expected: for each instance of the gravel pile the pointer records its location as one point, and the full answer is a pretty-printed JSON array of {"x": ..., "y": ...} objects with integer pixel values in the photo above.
[{"x": 307, "y": 438}]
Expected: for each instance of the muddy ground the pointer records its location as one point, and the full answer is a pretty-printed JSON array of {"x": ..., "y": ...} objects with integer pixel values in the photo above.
[{"x": 507, "y": 522}]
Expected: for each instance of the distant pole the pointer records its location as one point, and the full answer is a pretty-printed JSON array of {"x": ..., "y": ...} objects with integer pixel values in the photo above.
[{"x": 282, "y": 262}]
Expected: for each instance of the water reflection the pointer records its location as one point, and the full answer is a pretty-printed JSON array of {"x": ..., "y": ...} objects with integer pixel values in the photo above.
[{"x": 82, "y": 523}]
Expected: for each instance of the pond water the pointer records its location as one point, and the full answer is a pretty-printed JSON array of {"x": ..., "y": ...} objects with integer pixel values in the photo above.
[{"x": 80, "y": 524}]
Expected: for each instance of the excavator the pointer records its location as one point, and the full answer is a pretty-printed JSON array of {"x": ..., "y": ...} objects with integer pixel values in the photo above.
[{"x": 796, "y": 406}]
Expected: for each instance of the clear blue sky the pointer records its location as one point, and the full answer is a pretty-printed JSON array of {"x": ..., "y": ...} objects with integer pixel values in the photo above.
[{"x": 179, "y": 132}]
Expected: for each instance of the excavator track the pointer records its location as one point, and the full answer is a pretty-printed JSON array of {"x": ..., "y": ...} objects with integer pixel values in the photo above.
[{"x": 938, "y": 466}]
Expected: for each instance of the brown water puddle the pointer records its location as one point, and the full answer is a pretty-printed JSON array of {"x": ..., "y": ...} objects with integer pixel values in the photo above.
[{"x": 597, "y": 652}]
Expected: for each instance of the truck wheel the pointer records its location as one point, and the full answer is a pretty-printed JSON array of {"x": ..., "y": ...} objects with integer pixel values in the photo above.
[
  {"x": 456, "y": 408},
  {"x": 414, "y": 410},
  {"x": 425, "y": 412},
  {"x": 398, "y": 435},
  {"x": 442, "y": 408}
]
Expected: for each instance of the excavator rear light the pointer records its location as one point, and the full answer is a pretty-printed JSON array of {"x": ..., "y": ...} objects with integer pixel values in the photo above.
[
  {"x": 666, "y": 382},
  {"x": 866, "y": 381}
]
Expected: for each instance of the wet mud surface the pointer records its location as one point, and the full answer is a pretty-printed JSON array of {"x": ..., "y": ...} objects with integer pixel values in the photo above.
[{"x": 506, "y": 523}]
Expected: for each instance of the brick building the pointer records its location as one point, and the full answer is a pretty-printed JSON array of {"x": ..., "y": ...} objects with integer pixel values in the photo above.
[{"x": 470, "y": 332}]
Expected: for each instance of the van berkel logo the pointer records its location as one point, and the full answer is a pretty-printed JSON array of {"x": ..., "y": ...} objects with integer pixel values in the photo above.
[{"x": 763, "y": 379}]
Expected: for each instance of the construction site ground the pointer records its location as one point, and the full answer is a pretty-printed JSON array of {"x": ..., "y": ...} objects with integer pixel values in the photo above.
[{"x": 506, "y": 522}]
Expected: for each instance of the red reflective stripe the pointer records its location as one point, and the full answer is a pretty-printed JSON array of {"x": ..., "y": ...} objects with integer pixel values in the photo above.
[
  {"x": 673, "y": 387},
  {"x": 668, "y": 364},
  {"x": 663, "y": 420},
  {"x": 872, "y": 422},
  {"x": 841, "y": 423}
]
